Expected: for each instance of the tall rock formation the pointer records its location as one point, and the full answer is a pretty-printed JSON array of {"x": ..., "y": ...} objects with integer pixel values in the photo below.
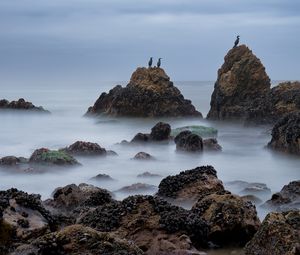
[
  {"x": 150, "y": 93},
  {"x": 241, "y": 79}
]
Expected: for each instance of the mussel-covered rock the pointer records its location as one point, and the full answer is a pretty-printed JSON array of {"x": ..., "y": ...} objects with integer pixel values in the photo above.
[{"x": 187, "y": 141}]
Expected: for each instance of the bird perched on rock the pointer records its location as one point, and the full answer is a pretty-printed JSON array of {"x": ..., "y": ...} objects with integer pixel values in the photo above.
[
  {"x": 236, "y": 41},
  {"x": 158, "y": 62},
  {"x": 150, "y": 62}
]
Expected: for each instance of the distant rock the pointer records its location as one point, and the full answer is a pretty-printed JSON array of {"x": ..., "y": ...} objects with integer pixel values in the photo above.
[
  {"x": 231, "y": 218},
  {"x": 102, "y": 177},
  {"x": 137, "y": 188},
  {"x": 148, "y": 175},
  {"x": 21, "y": 104},
  {"x": 81, "y": 148},
  {"x": 288, "y": 198},
  {"x": 12, "y": 161},
  {"x": 191, "y": 185},
  {"x": 277, "y": 235},
  {"x": 211, "y": 144},
  {"x": 150, "y": 93},
  {"x": 241, "y": 79},
  {"x": 143, "y": 156},
  {"x": 187, "y": 141},
  {"x": 286, "y": 134},
  {"x": 45, "y": 156},
  {"x": 202, "y": 131}
]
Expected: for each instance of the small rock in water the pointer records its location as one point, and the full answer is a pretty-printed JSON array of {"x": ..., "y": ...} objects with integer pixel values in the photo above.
[
  {"x": 143, "y": 156},
  {"x": 211, "y": 144},
  {"x": 189, "y": 142},
  {"x": 102, "y": 177},
  {"x": 137, "y": 187},
  {"x": 81, "y": 148},
  {"x": 148, "y": 175}
]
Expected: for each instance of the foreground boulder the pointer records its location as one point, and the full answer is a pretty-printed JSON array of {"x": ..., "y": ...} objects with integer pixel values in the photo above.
[
  {"x": 187, "y": 141},
  {"x": 21, "y": 104},
  {"x": 78, "y": 240},
  {"x": 81, "y": 148},
  {"x": 190, "y": 185},
  {"x": 150, "y": 93},
  {"x": 288, "y": 198},
  {"x": 286, "y": 134},
  {"x": 232, "y": 219},
  {"x": 241, "y": 79},
  {"x": 151, "y": 223},
  {"x": 278, "y": 234},
  {"x": 51, "y": 157}
]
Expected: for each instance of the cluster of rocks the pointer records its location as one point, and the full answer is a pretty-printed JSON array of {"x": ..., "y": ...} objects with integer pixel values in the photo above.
[
  {"x": 20, "y": 104},
  {"x": 87, "y": 219},
  {"x": 150, "y": 93}
]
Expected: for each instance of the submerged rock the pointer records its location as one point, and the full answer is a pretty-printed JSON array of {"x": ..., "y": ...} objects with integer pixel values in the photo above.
[
  {"x": 211, "y": 144},
  {"x": 278, "y": 234},
  {"x": 52, "y": 157},
  {"x": 148, "y": 175},
  {"x": 286, "y": 134},
  {"x": 21, "y": 104},
  {"x": 143, "y": 156},
  {"x": 201, "y": 131},
  {"x": 288, "y": 198},
  {"x": 191, "y": 185},
  {"x": 81, "y": 148},
  {"x": 78, "y": 240},
  {"x": 187, "y": 141},
  {"x": 232, "y": 219},
  {"x": 241, "y": 79},
  {"x": 102, "y": 177},
  {"x": 151, "y": 223},
  {"x": 150, "y": 93}
]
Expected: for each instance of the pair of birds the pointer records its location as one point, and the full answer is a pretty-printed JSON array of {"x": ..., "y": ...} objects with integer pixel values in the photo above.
[{"x": 151, "y": 61}]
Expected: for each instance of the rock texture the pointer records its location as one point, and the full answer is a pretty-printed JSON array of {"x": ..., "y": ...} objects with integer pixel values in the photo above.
[
  {"x": 187, "y": 141},
  {"x": 278, "y": 234},
  {"x": 150, "y": 93},
  {"x": 231, "y": 218},
  {"x": 82, "y": 148},
  {"x": 288, "y": 198},
  {"x": 286, "y": 134},
  {"x": 241, "y": 79},
  {"x": 20, "y": 104},
  {"x": 191, "y": 185}
]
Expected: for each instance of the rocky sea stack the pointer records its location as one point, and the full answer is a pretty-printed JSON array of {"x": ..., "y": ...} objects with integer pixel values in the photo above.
[{"x": 150, "y": 93}]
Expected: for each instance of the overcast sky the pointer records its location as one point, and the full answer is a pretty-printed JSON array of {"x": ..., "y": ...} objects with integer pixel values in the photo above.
[{"x": 106, "y": 40}]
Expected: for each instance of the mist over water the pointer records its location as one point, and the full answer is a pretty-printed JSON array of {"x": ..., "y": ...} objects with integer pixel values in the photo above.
[{"x": 243, "y": 157}]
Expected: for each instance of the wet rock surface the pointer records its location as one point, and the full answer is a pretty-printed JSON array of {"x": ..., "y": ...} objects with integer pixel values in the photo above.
[
  {"x": 286, "y": 134},
  {"x": 20, "y": 104},
  {"x": 231, "y": 218},
  {"x": 189, "y": 142},
  {"x": 52, "y": 157},
  {"x": 241, "y": 79},
  {"x": 81, "y": 148},
  {"x": 191, "y": 185},
  {"x": 278, "y": 234},
  {"x": 288, "y": 198},
  {"x": 150, "y": 93}
]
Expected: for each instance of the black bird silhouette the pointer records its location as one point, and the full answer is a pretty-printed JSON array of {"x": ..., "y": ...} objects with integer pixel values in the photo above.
[
  {"x": 158, "y": 62},
  {"x": 236, "y": 41},
  {"x": 150, "y": 62}
]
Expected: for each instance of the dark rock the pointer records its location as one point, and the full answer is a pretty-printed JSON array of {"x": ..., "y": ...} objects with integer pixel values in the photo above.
[
  {"x": 211, "y": 144},
  {"x": 21, "y": 104},
  {"x": 51, "y": 157},
  {"x": 241, "y": 79},
  {"x": 148, "y": 175},
  {"x": 286, "y": 134},
  {"x": 78, "y": 240},
  {"x": 187, "y": 141},
  {"x": 85, "y": 149},
  {"x": 288, "y": 198},
  {"x": 102, "y": 177},
  {"x": 160, "y": 132},
  {"x": 191, "y": 185},
  {"x": 140, "y": 138},
  {"x": 111, "y": 153},
  {"x": 137, "y": 188},
  {"x": 10, "y": 161},
  {"x": 143, "y": 156},
  {"x": 150, "y": 93},
  {"x": 278, "y": 234},
  {"x": 232, "y": 220},
  {"x": 153, "y": 224}
]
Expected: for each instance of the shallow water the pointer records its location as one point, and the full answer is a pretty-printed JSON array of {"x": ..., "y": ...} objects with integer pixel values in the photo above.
[{"x": 243, "y": 157}]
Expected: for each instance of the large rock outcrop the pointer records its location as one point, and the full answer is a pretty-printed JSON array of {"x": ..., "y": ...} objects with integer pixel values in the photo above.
[
  {"x": 241, "y": 79},
  {"x": 20, "y": 104},
  {"x": 150, "y": 93},
  {"x": 286, "y": 134},
  {"x": 278, "y": 234}
]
